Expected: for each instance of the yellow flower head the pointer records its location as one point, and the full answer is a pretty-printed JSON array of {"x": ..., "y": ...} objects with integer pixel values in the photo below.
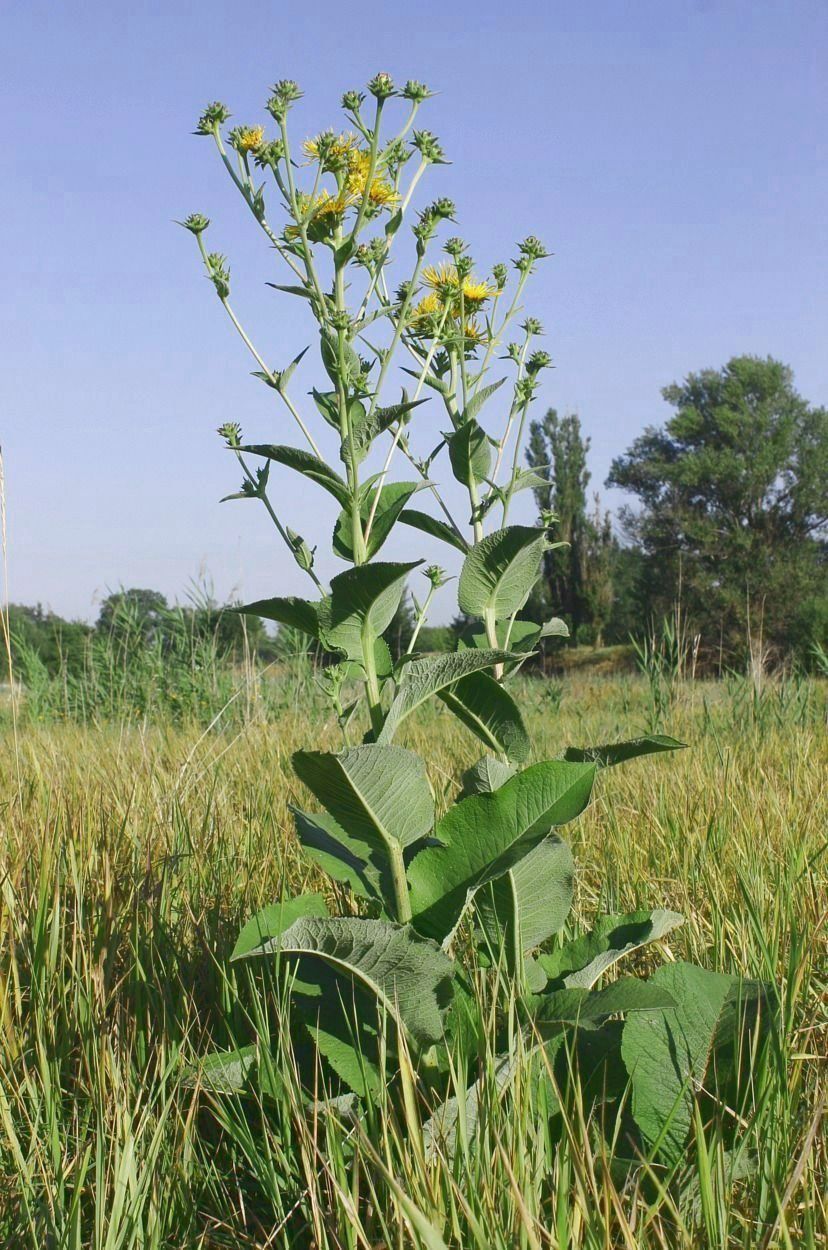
[
  {"x": 381, "y": 193},
  {"x": 428, "y": 307},
  {"x": 442, "y": 278},
  {"x": 473, "y": 334},
  {"x": 332, "y": 149},
  {"x": 476, "y": 292},
  {"x": 249, "y": 137}
]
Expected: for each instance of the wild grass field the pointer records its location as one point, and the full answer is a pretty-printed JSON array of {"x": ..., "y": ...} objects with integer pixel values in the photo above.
[{"x": 131, "y": 853}]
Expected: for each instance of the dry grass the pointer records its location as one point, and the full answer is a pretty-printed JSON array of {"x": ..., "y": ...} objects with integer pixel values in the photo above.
[{"x": 129, "y": 859}]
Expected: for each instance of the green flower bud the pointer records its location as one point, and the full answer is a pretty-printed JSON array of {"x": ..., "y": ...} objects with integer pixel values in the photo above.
[
  {"x": 500, "y": 274},
  {"x": 214, "y": 115},
  {"x": 429, "y": 147},
  {"x": 533, "y": 248},
  {"x": 532, "y": 326},
  {"x": 268, "y": 155},
  {"x": 437, "y": 576},
  {"x": 444, "y": 208},
  {"x": 219, "y": 273},
  {"x": 352, "y": 100},
  {"x": 382, "y": 86},
  {"x": 464, "y": 266},
  {"x": 231, "y": 432},
  {"x": 513, "y": 352},
  {"x": 196, "y": 223},
  {"x": 537, "y": 361},
  {"x": 548, "y": 518},
  {"x": 340, "y": 319},
  {"x": 285, "y": 93},
  {"x": 416, "y": 92},
  {"x": 455, "y": 246}
]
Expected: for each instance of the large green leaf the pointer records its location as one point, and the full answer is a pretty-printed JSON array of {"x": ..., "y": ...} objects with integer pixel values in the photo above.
[
  {"x": 307, "y": 464},
  {"x": 489, "y": 711},
  {"x": 470, "y": 453},
  {"x": 619, "y": 752},
  {"x": 392, "y": 499},
  {"x": 479, "y": 398},
  {"x": 429, "y": 676},
  {"x": 588, "y": 1009},
  {"x": 437, "y": 529},
  {"x": 531, "y": 901},
  {"x": 380, "y": 797},
  {"x": 486, "y": 776},
  {"x": 296, "y": 613},
  {"x": 361, "y": 605},
  {"x": 346, "y": 858},
  {"x": 275, "y": 918},
  {"x": 409, "y": 975},
  {"x": 668, "y": 1055},
  {"x": 582, "y": 961},
  {"x": 500, "y": 571},
  {"x": 521, "y": 636},
  {"x": 485, "y": 835}
]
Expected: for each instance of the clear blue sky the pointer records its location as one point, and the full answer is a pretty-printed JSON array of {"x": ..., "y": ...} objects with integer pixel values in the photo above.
[{"x": 672, "y": 153}]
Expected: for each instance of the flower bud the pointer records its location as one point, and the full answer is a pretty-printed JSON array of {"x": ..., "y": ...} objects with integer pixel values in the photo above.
[
  {"x": 532, "y": 326},
  {"x": 214, "y": 115},
  {"x": 429, "y": 147},
  {"x": 500, "y": 275},
  {"x": 435, "y": 575},
  {"x": 219, "y": 273},
  {"x": 533, "y": 248},
  {"x": 285, "y": 93},
  {"x": 268, "y": 155},
  {"x": 382, "y": 86},
  {"x": 231, "y": 433},
  {"x": 196, "y": 223},
  {"x": 416, "y": 92},
  {"x": 537, "y": 361},
  {"x": 455, "y": 246},
  {"x": 352, "y": 100},
  {"x": 340, "y": 319}
]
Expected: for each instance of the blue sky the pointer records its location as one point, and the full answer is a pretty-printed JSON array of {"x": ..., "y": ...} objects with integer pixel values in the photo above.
[{"x": 671, "y": 153}]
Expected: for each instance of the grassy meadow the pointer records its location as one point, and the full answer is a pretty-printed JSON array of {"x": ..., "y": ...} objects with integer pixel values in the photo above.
[{"x": 132, "y": 849}]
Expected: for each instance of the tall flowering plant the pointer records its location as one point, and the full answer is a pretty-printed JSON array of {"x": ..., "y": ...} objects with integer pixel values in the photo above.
[{"x": 490, "y": 881}]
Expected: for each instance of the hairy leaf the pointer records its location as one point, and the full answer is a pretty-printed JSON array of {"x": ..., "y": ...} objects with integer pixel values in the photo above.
[
  {"x": 436, "y": 529},
  {"x": 489, "y": 711},
  {"x": 667, "y": 1055},
  {"x": 361, "y": 605},
  {"x": 426, "y": 677},
  {"x": 392, "y": 499},
  {"x": 380, "y": 797},
  {"x": 588, "y": 1009},
  {"x": 307, "y": 464},
  {"x": 470, "y": 453},
  {"x": 296, "y": 613},
  {"x": 500, "y": 571},
  {"x": 486, "y": 776},
  {"x": 619, "y": 752},
  {"x": 532, "y": 900},
  {"x": 582, "y": 961},
  {"x": 409, "y": 975},
  {"x": 275, "y": 918},
  {"x": 344, "y": 857},
  {"x": 485, "y": 835}
]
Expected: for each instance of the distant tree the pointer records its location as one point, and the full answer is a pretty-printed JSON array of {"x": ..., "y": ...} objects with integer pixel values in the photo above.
[
  {"x": 577, "y": 577},
  {"x": 734, "y": 506},
  {"x": 59, "y": 644},
  {"x": 138, "y": 610}
]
